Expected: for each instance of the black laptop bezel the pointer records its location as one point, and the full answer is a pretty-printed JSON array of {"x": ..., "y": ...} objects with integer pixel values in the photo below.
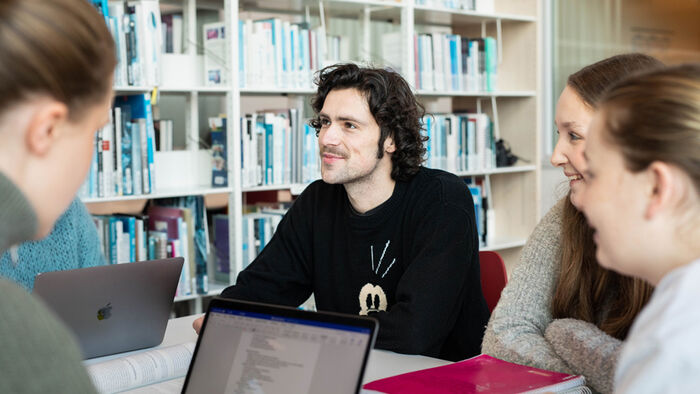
[{"x": 290, "y": 312}]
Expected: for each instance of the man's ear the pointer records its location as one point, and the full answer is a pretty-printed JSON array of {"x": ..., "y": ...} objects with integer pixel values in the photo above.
[
  {"x": 44, "y": 126},
  {"x": 660, "y": 190},
  {"x": 389, "y": 146}
]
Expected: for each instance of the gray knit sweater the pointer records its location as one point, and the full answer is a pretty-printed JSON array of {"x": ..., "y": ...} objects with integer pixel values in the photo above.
[
  {"x": 37, "y": 353},
  {"x": 521, "y": 329}
]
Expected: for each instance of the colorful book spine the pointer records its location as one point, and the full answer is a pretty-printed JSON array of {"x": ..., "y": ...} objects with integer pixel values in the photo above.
[{"x": 217, "y": 129}]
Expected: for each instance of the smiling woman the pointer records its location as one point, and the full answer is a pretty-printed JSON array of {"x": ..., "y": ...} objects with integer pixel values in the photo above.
[{"x": 560, "y": 310}]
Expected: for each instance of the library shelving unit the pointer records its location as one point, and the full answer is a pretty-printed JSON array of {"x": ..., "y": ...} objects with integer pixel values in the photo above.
[{"x": 514, "y": 106}]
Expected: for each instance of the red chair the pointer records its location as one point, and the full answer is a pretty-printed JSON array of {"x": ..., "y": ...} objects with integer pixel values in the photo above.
[{"x": 493, "y": 277}]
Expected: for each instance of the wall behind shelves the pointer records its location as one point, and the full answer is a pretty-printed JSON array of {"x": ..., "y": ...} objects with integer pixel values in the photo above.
[{"x": 667, "y": 29}]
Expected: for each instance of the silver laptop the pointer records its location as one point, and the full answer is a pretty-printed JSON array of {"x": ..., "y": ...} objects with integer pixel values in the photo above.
[
  {"x": 113, "y": 308},
  {"x": 247, "y": 347}
]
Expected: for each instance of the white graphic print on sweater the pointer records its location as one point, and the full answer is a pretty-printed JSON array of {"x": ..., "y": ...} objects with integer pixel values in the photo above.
[{"x": 372, "y": 297}]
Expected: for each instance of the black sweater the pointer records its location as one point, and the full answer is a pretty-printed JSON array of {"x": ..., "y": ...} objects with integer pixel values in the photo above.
[{"x": 412, "y": 263}]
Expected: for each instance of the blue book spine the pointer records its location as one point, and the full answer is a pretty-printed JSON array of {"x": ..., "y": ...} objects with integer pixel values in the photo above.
[
  {"x": 112, "y": 258},
  {"x": 476, "y": 196},
  {"x": 275, "y": 51},
  {"x": 429, "y": 143},
  {"x": 261, "y": 228},
  {"x": 132, "y": 238},
  {"x": 307, "y": 151},
  {"x": 241, "y": 53},
  {"x": 283, "y": 43},
  {"x": 141, "y": 109},
  {"x": 246, "y": 248},
  {"x": 454, "y": 61},
  {"x": 127, "y": 157},
  {"x": 150, "y": 143},
  {"x": 93, "y": 170},
  {"x": 269, "y": 153},
  {"x": 151, "y": 248},
  {"x": 101, "y": 6}
]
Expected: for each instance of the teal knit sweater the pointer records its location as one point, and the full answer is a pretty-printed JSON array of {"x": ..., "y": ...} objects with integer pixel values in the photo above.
[{"x": 73, "y": 243}]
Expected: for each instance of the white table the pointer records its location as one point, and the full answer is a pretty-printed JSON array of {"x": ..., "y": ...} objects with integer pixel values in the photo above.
[{"x": 381, "y": 363}]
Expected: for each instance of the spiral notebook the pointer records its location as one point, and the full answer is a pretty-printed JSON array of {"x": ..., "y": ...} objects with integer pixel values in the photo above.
[{"x": 481, "y": 374}]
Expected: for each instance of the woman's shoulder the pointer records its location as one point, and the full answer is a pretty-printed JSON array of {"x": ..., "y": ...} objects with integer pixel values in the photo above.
[{"x": 555, "y": 214}]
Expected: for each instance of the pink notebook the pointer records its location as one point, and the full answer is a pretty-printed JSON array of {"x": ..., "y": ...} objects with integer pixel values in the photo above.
[{"x": 479, "y": 374}]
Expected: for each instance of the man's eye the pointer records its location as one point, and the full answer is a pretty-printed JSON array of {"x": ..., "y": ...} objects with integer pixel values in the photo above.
[
  {"x": 574, "y": 136},
  {"x": 350, "y": 126},
  {"x": 325, "y": 122}
]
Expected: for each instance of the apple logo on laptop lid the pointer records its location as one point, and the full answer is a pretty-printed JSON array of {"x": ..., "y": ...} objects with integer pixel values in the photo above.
[{"x": 105, "y": 312}]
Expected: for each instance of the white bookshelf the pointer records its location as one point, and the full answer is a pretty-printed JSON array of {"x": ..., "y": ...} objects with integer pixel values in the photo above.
[
  {"x": 132, "y": 89},
  {"x": 438, "y": 15},
  {"x": 275, "y": 92},
  {"x": 163, "y": 193},
  {"x": 504, "y": 244},
  {"x": 526, "y": 93},
  {"x": 198, "y": 89},
  {"x": 514, "y": 108},
  {"x": 514, "y": 190}
]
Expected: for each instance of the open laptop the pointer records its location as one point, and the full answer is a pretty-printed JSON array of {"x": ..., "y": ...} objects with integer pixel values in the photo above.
[
  {"x": 113, "y": 308},
  {"x": 252, "y": 347}
]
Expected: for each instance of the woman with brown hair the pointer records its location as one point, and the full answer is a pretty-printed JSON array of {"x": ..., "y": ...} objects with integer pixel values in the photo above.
[
  {"x": 642, "y": 199},
  {"x": 560, "y": 311},
  {"x": 56, "y": 67}
]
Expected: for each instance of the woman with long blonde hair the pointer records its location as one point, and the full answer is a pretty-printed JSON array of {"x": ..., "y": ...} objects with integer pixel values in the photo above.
[{"x": 561, "y": 311}]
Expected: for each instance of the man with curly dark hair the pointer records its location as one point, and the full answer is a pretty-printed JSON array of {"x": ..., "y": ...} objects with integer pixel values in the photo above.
[{"x": 379, "y": 235}]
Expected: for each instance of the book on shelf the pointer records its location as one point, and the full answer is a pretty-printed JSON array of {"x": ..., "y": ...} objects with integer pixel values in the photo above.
[
  {"x": 219, "y": 151},
  {"x": 459, "y": 142},
  {"x": 452, "y": 63},
  {"x": 136, "y": 28},
  {"x": 182, "y": 222},
  {"x": 392, "y": 51},
  {"x": 171, "y": 29},
  {"x": 257, "y": 229},
  {"x": 279, "y": 54},
  {"x": 221, "y": 256},
  {"x": 482, "y": 373},
  {"x": 123, "y": 160},
  {"x": 123, "y": 238},
  {"x": 164, "y": 135},
  {"x": 164, "y": 232},
  {"x": 484, "y": 214},
  {"x": 277, "y": 148},
  {"x": 215, "y": 54},
  {"x": 173, "y": 222},
  {"x": 142, "y": 369}
]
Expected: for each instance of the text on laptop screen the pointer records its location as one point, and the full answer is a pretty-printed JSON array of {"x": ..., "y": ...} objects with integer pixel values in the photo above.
[{"x": 243, "y": 351}]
